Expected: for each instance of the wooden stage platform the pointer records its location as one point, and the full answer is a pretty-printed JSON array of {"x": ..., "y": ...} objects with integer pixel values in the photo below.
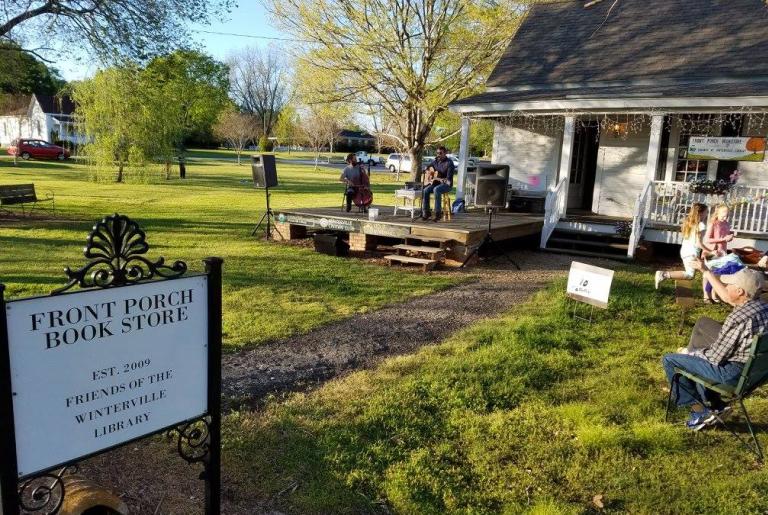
[{"x": 464, "y": 231}]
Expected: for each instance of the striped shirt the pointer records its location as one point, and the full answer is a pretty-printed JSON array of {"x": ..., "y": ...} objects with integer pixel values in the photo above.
[{"x": 735, "y": 338}]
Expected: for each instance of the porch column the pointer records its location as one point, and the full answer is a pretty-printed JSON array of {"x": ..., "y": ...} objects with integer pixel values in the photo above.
[
  {"x": 566, "y": 153},
  {"x": 654, "y": 147},
  {"x": 463, "y": 155}
]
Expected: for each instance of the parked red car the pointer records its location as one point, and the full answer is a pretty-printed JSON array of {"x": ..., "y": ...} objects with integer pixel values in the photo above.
[{"x": 38, "y": 149}]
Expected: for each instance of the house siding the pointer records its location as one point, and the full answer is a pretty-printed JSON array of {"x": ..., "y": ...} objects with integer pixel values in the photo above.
[
  {"x": 621, "y": 173},
  {"x": 532, "y": 156}
]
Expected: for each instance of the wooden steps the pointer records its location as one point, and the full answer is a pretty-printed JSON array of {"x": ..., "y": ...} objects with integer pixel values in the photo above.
[
  {"x": 421, "y": 249},
  {"x": 426, "y": 264},
  {"x": 425, "y": 251},
  {"x": 574, "y": 252}
]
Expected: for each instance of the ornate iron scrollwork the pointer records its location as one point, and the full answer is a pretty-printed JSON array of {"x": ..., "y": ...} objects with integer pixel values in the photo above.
[
  {"x": 44, "y": 493},
  {"x": 115, "y": 247},
  {"x": 193, "y": 440}
]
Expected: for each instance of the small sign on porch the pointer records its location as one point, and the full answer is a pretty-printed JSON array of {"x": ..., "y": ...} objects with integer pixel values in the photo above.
[
  {"x": 727, "y": 149},
  {"x": 589, "y": 284}
]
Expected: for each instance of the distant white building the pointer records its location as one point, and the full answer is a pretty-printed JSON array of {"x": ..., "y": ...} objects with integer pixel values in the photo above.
[{"x": 36, "y": 116}]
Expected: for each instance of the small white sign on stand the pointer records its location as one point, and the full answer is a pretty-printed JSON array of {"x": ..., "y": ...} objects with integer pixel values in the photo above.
[{"x": 589, "y": 284}]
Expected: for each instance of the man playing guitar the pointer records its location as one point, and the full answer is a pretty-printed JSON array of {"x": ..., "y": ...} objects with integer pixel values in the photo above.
[{"x": 440, "y": 183}]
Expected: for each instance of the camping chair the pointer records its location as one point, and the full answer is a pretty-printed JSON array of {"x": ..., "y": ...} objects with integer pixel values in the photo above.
[{"x": 753, "y": 375}]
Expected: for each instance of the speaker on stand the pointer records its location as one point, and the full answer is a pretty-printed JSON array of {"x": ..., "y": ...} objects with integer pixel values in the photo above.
[
  {"x": 490, "y": 191},
  {"x": 491, "y": 185},
  {"x": 264, "y": 174}
]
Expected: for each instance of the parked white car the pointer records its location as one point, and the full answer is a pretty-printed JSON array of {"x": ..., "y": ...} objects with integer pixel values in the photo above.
[
  {"x": 364, "y": 157},
  {"x": 401, "y": 162}
]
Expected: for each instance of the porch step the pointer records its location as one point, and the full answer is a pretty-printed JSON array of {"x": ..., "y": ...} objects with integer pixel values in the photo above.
[
  {"x": 581, "y": 243},
  {"x": 563, "y": 242},
  {"x": 426, "y": 264},
  {"x": 573, "y": 252}
]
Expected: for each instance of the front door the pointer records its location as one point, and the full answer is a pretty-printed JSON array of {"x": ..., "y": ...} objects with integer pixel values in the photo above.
[{"x": 583, "y": 167}]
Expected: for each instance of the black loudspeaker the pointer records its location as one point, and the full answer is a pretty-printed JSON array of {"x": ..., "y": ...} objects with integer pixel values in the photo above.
[
  {"x": 264, "y": 171},
  {"x": 491, "y": 185}
]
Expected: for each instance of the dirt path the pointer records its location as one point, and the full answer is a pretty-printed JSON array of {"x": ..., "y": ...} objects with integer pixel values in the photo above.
[
  {"x": 152, "y": 479},
  {"x": 299, "y": 362}
]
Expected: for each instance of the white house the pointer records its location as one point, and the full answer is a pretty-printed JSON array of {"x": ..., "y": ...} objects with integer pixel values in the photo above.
[
  {"x": 36, "y": 116},
  {"x": 602, "y": 110}
]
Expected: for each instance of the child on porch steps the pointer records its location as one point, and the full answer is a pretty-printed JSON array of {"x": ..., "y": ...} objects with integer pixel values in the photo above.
[{"x": 692, "y": 229}]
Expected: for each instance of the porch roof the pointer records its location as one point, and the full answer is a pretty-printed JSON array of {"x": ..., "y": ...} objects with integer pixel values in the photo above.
[{"x": 673, "y": 96}]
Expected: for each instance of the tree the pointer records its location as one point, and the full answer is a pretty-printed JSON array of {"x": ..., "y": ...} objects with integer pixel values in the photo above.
[
  {"x": 425, "y": 54},
  {"x": 260, "y": 84},
  {"x": 190, "y": 89},
  {"x": 114, "y": 28},
  {"x": 287, "y": 127},
  {"x": 21, "y": 72},
  {"x": 121, "y": 130},
  {"x": 236, "y": 129},
  {"x": 319, "y": 128}
]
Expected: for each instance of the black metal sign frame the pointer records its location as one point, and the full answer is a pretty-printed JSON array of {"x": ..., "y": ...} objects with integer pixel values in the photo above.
[{"x": 115, "y": 250}]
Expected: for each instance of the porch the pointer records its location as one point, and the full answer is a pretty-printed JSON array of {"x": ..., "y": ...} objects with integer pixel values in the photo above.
[{"x": 630, "y": 165}]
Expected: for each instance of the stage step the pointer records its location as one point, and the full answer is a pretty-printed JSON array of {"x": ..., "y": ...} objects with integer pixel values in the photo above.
[
  {"x": 416, "y": 240},
  {"x": 420, "y": 249},
  {"x": 426, "y": 264}
]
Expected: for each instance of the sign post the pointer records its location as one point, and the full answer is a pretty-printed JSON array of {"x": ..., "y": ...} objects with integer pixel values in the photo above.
[{"x": 135, "y": 352}]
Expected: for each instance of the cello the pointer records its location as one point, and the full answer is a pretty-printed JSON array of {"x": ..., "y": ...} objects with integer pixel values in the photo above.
[{"x": 363, "y": 194}]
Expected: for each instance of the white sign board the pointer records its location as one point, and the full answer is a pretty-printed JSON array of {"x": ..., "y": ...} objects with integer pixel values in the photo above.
[
  {"x": 726, "y": 149},
  {"x": 97, "y": 368},
  {"x": 589, "y": 284}
]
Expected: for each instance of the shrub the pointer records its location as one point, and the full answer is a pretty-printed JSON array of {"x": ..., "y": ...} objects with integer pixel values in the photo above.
[{"x": 265, "y": 144}]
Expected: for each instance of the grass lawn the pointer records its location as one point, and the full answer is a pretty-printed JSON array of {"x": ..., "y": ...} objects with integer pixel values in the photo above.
[
  {"x": 532, "y": 412},
  {"x": 270, "y": 290}
]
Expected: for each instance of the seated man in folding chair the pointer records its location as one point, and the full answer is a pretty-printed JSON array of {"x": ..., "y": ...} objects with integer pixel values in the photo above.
[{"x": 718, "y": 352}]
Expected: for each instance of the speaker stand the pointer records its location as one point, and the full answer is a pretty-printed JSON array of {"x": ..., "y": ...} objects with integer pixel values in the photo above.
[
  {"x": 489, "y": 243},
  {"x": 267, "y": 219}
]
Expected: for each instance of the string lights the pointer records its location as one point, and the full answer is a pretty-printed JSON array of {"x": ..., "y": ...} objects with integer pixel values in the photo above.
[{"x": 745, "y": 120}]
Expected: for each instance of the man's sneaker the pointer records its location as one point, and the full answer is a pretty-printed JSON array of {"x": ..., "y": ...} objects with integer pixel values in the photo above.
[
  {"x": 658, "y": 278},
  {"x": 706, "y": 418}
]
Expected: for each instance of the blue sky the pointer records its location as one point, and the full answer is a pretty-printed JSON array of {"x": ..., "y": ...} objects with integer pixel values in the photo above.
[{"x": 249, "y": 19}]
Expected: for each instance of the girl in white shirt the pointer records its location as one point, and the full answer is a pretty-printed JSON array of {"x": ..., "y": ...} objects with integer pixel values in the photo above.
[{"x": 692, "y": 229}]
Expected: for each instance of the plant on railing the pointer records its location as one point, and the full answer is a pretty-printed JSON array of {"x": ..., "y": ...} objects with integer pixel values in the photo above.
[
  {"x": 623, "y": 228},
  {"x": 708, "y": 187}
]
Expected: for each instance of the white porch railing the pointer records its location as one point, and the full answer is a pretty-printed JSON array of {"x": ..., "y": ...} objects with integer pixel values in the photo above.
[
  {"x": 554, "y": 209},
  {"x": 671, "y": 201},
  {"x": 640, "y": 219}
]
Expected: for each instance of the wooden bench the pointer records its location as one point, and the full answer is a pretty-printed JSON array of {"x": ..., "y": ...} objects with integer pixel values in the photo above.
[{"x": 21, "y": 195}]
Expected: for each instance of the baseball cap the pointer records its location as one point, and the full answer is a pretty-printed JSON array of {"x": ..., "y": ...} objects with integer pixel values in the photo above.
[{"x": 751, "y": 281}]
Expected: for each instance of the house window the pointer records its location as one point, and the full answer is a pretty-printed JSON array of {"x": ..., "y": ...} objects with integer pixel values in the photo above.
[{"x": 689, "y": 170}]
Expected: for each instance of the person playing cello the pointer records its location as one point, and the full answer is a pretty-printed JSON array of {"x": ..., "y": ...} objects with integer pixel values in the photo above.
[{"x": 358, "y": 183}]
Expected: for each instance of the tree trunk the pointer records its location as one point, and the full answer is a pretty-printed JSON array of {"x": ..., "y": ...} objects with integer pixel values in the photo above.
[
  {"x": 119, "y": 173},
  {"x": 238, "y": 157},
  {"x": 167, "y": 170},
  {"x": 182, "y": 163},
  {"x": 415, "y": 152}
]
